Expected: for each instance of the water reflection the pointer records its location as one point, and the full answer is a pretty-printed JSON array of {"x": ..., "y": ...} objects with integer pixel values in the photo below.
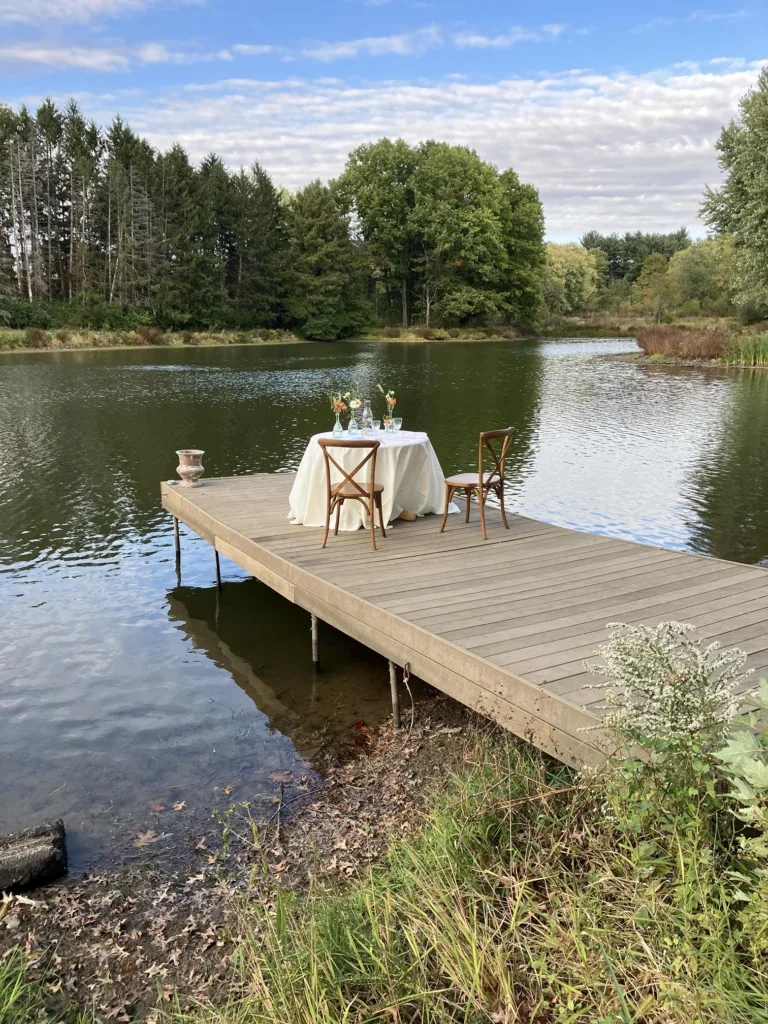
[
  {"x": 116, "y": 694},
  {"x": 262, "y": 643}
]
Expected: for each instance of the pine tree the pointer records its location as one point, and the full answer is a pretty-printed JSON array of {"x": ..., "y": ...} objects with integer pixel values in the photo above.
[{"x": 325, "y": 296}]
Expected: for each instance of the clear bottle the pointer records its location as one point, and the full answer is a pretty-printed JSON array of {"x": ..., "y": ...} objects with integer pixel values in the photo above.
[{"x": 366, "y": 418}]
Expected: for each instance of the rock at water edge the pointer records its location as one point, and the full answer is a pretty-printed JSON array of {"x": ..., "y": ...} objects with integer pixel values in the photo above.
[{"x": 32, "y": 856}]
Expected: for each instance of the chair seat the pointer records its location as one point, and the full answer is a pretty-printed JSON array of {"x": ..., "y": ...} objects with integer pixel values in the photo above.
[
  {"x": 467, "y": 479},
  {"x": 349, "y": 491}
]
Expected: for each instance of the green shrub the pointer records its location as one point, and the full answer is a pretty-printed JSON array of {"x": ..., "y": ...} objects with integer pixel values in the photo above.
[
  {"x": 753, "y": 311},
  {"x": 390, "y": 332},
  {"x": 454, "y": 332},
  {"x": 427, "y": 333},
  {"x": 262, "y": 334}
]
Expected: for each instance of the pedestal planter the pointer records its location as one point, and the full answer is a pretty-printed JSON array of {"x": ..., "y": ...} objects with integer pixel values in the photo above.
[{"x": 190, "y": 467}]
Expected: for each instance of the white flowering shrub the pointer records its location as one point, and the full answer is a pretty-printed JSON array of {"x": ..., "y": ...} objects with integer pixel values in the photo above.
[{"x": 666, "y": 690}]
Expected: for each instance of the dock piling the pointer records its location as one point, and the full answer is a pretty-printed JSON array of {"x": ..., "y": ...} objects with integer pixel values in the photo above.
[
  {"x": 218, "y": 569},
  {"x": 395, "y": 694},
  {"x": 315, "y": 643}
]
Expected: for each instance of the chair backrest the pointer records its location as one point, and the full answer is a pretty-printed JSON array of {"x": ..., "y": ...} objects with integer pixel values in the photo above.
[
  {"x": 497, "y": 452},
  {"x": 348, "y": 476}
]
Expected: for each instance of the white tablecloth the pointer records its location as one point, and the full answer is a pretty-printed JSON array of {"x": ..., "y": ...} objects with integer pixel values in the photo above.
[{"x": 406, "y": 465}]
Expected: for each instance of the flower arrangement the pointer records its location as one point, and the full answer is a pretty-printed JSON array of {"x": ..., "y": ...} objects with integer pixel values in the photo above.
[
  {"x": 338, "y": 405},
  {"x": 389, "y": 398}
]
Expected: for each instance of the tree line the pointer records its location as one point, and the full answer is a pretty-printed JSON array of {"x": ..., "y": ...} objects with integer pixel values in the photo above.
[
  {"x": 99, "y": 229},
  {"x": 671, "y": 276}
]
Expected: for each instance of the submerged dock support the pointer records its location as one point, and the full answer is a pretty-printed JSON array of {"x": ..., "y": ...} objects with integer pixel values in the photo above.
[
  {"x": 315, "y": 643},
  {"x": 176, "y": 538},
  {"x": 395, "y": 694},
  {"x": 218, "y": 569}
]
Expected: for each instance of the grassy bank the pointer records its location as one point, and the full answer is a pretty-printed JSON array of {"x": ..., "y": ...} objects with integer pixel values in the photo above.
[
  {"x": 512, "y": 891},
  {"x": 35, "y": 339},
  {"x": 726, "y": 345},
  {"x": 520, "y": 901}
]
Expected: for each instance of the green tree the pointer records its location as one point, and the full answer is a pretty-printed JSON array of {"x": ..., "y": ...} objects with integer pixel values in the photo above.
[
  {"x": 522, "y": 225},
  {"x": 570, "y": 278},
  {"x": 377, "y": 188},
  {"x": 324, "y": 273},
  {"x": 654, "y": 289},
  {"x": 457, "y": 219},
  {"x": 703, "y": 272},
  {"x": 739, "y": 207},
  {"x": 627, "y": 253},
  {"x": 260, "y": 245}
]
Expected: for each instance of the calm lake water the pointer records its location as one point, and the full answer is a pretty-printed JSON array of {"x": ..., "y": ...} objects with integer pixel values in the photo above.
[{"x": 122, "y": 693}]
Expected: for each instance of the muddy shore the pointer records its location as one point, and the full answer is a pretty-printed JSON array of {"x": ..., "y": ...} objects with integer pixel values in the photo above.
[{"x": 126, "y": 945}]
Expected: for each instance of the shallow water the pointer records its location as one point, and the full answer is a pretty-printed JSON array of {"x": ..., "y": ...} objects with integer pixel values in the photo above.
[{"x": 120, "y": 691}]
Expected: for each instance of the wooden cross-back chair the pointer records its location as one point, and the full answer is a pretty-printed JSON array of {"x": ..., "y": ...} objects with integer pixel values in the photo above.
[
  {"x": 484, "y": 481},
  {"x": 367, "y": 491}
]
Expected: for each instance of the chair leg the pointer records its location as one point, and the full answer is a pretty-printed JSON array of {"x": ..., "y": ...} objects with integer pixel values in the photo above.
[
  {"x": 327, "y": 523},
  {"x": 469, "y": 503},
  {"x": 381, "y": 514},
  {"x": 338, "y": 516},
  {"x": 503, "y": 510},
  {"x": 448, "y": 496},
  {"x": 373, "y": 528},
  {"x": 481, "y": 496}
]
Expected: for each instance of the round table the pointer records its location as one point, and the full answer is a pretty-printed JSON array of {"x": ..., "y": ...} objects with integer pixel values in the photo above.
[{"x": 406, "y": 465}]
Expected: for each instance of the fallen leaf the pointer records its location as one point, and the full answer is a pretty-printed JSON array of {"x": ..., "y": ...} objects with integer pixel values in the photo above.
[
  {"x": 157, "y": 808},
  {"x": 180, "y": 805},
  {"x": 281, "y": 776},
  {"x": 146, "y": 838},
  {"x": 226, "y": 790}
]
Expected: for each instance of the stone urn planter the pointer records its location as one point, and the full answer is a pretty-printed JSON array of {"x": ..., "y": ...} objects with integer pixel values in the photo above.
[{"x": 190, "y": 467}]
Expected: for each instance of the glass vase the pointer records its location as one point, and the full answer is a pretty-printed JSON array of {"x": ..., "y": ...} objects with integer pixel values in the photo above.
[
  {"x": 338, "y": 430},
  {"x": 354, "y": 429}
]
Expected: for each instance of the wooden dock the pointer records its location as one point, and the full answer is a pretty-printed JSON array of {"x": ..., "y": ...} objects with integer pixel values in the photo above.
[{"x": 503, "y": 625}]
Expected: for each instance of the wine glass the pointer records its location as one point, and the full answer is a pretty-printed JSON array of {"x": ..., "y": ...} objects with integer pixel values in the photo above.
[
  {"x": 376, "y": 426},
  {"x": 398, "y": 423}
]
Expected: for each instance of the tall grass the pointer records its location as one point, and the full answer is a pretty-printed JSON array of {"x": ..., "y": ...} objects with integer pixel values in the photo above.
[
  {"x": 20, "y": 1001},
  {"x": 751, "y": 350},
  {"x": 680, "y": 342},
  {"x": 511, "y": 906}
]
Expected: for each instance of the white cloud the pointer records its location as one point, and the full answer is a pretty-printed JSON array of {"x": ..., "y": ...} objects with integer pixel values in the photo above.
[
  {"x": 104, "y": 58},
  {"x": 86, "y": 58},
  {"x": 406, "y": 44},
  {"x": 516, "y": 34},
  {"x": 253, "y": 50},
  {"x": 158, "y": 53},
  {"x": 698, "y": 15},
  {"x": 39, "y": 11},
  {"x": 614, "y": 152}
]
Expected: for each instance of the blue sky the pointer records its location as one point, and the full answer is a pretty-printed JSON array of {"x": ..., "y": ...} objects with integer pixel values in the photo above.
[{"x": 611, "y": 110}]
